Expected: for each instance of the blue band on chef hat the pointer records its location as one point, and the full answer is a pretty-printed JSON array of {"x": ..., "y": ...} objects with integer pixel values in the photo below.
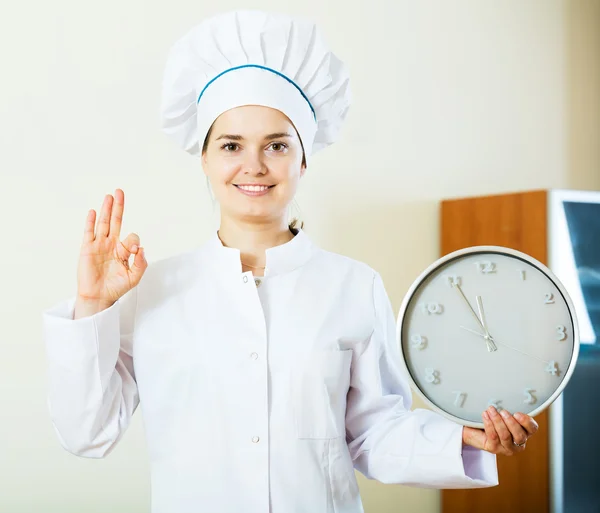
[{"x": 266, "y": 69}]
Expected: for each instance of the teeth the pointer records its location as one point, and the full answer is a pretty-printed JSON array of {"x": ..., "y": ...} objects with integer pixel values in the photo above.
[{"x": 253, "y": 188}]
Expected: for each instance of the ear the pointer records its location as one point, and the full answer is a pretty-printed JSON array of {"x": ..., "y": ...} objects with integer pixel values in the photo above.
[
  {"x": 203, "y": 162},
  {"x": 302, "y": 170}
]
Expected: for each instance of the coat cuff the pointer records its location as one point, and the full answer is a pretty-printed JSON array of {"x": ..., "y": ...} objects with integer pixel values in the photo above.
[
  {"x": 480, "y": 466},
  {"x": 73, "y": 343},
  {"x": 433, "y": 457},
  {"x": 459, "y": 466},
  {"x": 465, "y": 466}
]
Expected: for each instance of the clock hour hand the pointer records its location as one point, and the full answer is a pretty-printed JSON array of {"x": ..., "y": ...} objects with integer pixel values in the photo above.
[
  {"x": 464, "y": 298},
  {"x": 489, "y": 339}
]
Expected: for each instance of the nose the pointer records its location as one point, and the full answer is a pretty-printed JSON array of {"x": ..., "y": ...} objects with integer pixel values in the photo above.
[{"x": 253, "y": 164}]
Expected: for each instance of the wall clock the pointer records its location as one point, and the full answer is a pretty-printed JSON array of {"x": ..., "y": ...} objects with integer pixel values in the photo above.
[{"x": 487, "y": 325}]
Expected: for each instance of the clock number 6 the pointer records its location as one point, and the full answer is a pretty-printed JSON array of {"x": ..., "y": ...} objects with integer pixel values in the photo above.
[{"x": 495, "y": 403}]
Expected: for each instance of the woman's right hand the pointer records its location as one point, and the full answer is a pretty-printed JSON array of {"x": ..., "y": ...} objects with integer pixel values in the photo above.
[{"x": 104, "y": 274}]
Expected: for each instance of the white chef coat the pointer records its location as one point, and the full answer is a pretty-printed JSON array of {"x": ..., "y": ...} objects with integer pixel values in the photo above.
[{"x": 257, "y": 396}]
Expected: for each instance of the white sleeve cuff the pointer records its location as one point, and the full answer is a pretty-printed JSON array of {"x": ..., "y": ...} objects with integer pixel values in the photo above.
[
  {"x": 73, "y": 343},
  {"x": 480, "y": 465}
]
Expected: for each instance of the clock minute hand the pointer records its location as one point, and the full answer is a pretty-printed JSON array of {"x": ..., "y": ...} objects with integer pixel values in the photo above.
[
  {"x": 462, "y": 294},
  {"x": 503, "y": 344}
]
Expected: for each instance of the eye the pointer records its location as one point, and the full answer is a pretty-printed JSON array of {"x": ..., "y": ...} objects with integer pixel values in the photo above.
[
  {"x": 278, "y": 147},
  {"x": 229, "y": 146}
]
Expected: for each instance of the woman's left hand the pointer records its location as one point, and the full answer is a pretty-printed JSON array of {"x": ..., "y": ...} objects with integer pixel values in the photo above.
[{"x": 502, "y": 431}]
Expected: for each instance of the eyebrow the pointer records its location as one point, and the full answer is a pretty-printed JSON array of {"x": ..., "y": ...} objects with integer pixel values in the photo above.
[{"x": 269, "y": 137}]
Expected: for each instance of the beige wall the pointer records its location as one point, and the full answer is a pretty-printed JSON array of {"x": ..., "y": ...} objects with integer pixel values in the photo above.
[
  {"x": 583, "y": 99},
  {"x": 451, "y": 98}
]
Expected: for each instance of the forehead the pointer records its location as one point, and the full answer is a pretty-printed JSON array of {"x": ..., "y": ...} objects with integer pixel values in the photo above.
[{"x": 252, "y": 120}]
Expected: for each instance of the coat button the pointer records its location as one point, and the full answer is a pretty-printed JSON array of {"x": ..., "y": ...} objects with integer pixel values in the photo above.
[
  {"x": 255, "y": 439},
  {"x": 254, "y": 356},
  {"x": 257, "y": 281}
]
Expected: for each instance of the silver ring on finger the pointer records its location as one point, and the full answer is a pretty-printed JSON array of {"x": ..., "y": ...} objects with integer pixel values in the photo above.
[{"x": 522, "y": 444}]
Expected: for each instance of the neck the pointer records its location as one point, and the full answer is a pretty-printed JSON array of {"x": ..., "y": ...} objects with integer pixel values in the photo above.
[{"x": 253, "y": 240}]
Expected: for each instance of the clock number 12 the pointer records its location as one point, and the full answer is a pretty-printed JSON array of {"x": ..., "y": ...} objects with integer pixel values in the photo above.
[{"x": 486, "y": 267}]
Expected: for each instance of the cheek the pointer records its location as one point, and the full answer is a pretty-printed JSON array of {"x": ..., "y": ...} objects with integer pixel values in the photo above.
[
  {"x": 287, "y": 173},
  {"x": 292, "y": 184},
  {"x": 228, "y": 170},
  {"x": 221, "y": 174}
]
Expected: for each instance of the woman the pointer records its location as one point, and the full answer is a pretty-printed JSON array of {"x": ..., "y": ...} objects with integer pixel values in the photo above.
[{"x": 267, "y": 368}]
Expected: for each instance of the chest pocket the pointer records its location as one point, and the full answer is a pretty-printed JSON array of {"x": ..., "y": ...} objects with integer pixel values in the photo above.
[{"x": 319, "y": 387}]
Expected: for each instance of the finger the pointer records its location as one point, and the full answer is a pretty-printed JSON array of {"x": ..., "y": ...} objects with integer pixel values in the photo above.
[
  {"x": 528, "y": 423},
  {"x": 139, "y": 266},
  {"x": 103, "y": 221},
  {"x": 88, "y": 231},
  {"x": 518, "y": 433},
  {"x": 504, "y": 435},
  {"x": 116, "y": 217},
  {"x": 127, "y": 246},
  {"x": 493, "y": 441}
]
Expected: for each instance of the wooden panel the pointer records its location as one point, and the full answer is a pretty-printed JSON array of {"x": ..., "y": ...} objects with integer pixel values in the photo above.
[{"x": 517, "y": 221}]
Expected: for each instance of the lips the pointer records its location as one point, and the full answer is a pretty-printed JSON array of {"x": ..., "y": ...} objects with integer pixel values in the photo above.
[{"x": 253, "y": 189}]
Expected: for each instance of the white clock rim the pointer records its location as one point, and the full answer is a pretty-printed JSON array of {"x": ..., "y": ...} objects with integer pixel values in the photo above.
[{"x": 487, "y": 249}]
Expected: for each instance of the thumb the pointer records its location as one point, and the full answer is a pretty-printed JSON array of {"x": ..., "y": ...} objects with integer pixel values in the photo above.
[{"x": 139, "y": 265}]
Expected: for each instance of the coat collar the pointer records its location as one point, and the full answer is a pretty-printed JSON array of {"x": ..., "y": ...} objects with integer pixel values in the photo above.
[{"x": 279, "y": 259}]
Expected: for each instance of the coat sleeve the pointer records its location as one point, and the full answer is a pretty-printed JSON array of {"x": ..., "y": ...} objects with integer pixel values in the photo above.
[
  {"x": 92, "y": 392},
  {"x": 389, "y": 442}
]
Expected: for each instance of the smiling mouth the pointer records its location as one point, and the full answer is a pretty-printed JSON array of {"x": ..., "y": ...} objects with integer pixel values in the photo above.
[
  {"x": 253, "y": 189},
  {"x": 257, "y": 186}
]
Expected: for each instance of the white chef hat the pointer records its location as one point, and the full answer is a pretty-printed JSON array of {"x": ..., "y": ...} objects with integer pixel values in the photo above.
[{"x": 254, "y": 58}]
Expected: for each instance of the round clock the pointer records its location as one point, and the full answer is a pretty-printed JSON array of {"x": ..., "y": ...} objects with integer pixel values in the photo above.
[{"x": 487, "y": 325}]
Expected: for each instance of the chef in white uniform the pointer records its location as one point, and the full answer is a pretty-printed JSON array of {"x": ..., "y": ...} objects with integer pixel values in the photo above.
[{"x": 266, "y": 367}]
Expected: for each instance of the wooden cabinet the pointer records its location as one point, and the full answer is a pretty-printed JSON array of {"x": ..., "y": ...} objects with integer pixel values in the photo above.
[
  {"x": 516, "y": 221},
  {"x": 560, "y": 228}
]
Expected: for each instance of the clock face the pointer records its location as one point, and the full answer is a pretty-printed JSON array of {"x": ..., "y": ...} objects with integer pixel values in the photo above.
[{"x": 488, "y": 327}]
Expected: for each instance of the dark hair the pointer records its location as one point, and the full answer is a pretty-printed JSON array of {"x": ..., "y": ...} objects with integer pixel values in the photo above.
[{"x": 294, "y": 222}]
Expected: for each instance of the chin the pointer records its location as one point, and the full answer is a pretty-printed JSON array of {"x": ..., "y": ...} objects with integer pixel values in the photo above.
[{"x": 255, "y": 217}]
